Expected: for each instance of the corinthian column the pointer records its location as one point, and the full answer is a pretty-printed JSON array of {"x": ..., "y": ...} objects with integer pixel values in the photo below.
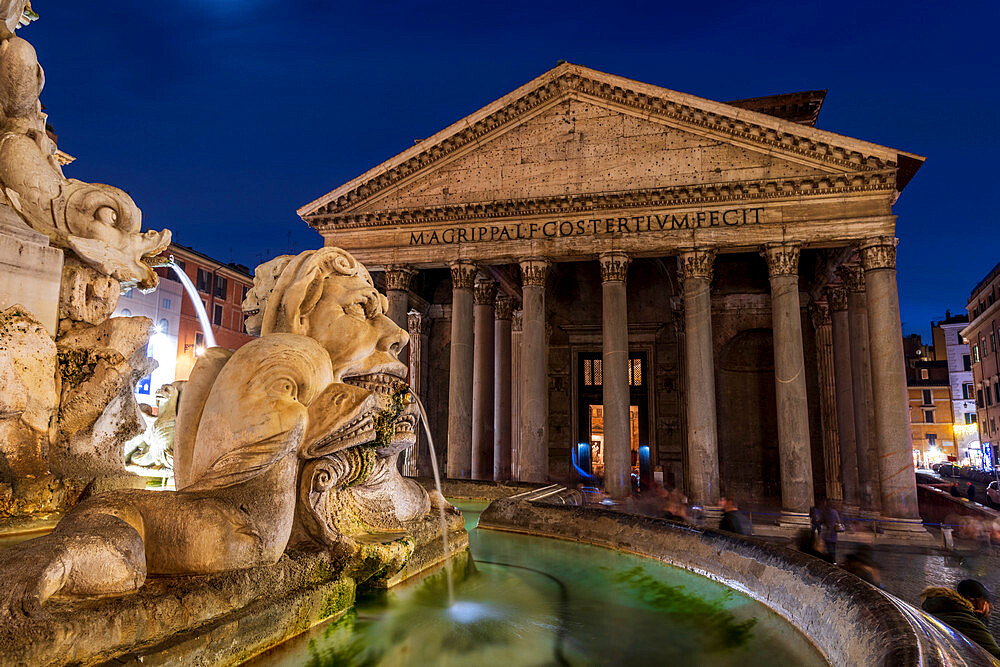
[
  {"x": 482, "y": 381},
  {"x": 416, "y": 459},
  {"x": 397, "y": 290},
  {"x": 790, "y": 378},
  {"x": 861, "y": 383},
  {"x": 617, "y": 435},
  {"x": 822, "y": 326},
  {"x": 836, "y": 297},
  {"x": 699, "y": 377},
  {"x": 460, "y": 374},
  {"x": 501, "y": 393},
  {"x": 534, "y": 446},
  {"x": 892, "y": 420},
  {"x": 516, "y": 319}
]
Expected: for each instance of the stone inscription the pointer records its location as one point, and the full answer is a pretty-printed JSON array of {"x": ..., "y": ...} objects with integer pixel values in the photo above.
[{"x": 636, "y": 224}]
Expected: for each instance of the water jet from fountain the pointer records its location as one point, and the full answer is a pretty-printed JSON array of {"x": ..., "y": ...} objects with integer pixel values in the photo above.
[
  {"x": 437, "y": 484},
  {"x": 199, "y": 305}
]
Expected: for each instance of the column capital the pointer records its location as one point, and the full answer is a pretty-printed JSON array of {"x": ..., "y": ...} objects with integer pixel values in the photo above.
[
  {"x": 463, "y": 274},
  {"x": 614, "y": 266},
  {"x": 534, "y": 272},
  {"x": 398, "y": 277},
  {"x": 878, "y": 253},
  {"x": 485, "y": 292},
  {"x": 504, "y": 307},
  {"x": 782, "y": 258},
  {"x": 853, "y": 277},
  {"x": 416, "y": 323},
  {"x": 515, "y": 319},
  {"x": 820, "y": 313},
  {"x": 697, "y": 263},
  {"x": 836, "y": 297}
]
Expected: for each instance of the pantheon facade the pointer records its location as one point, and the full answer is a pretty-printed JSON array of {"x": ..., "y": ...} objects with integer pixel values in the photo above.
[{"x": 605, "y": 279}]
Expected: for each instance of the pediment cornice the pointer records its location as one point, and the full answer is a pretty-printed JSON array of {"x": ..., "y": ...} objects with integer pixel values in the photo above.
[
  {"x": 650, "y": 198},
  {"x": 835, "y": 152}
]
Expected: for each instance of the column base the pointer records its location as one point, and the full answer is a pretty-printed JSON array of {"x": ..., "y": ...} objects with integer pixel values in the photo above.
[
  {"x": 794, "y": 519},
  {"x": 905, "y": 530},
  {"x": 849, "y": 510},
  {"x": 711, "y": 516}
]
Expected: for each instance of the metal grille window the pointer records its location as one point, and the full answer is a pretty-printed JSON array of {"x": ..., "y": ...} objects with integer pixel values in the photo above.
[
  {"x": 635, "y": 372},
  {"x": 592, "y": 372}
]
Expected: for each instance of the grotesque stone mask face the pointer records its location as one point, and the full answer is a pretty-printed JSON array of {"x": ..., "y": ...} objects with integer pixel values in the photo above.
[{"x": 264, "y": 278}]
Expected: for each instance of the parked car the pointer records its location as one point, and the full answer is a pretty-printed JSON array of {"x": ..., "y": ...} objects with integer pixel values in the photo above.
[
  {"x": 947, "y": 470},
  {"x": 993, "y": 494}
]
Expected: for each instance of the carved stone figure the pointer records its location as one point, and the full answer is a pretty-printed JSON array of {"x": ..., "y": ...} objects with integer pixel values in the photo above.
[
  {"x": 294, "y": 433},
  {"x": 94, "y": 361},
  {"x": 152, "y": 453},
  {"x": 99, "y": 223}
]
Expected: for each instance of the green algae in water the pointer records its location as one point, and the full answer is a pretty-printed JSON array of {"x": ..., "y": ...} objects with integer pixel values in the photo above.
[
  {"x": 725, "y": 631},
  {"x": 537, "y": 601}
]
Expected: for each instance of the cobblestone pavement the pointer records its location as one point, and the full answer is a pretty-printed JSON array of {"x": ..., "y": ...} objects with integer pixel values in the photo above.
[{"x": 906, "y": 574}]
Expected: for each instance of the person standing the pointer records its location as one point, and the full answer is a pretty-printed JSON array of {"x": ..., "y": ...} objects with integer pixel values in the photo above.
[
  {"x": 970, "y": 493},
  {"x": 733, "y": 520},
  {"x": 831, "y": 526}
]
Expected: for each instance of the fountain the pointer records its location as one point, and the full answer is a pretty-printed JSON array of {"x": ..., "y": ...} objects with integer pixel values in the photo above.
[{"x": 289, "y": 505}]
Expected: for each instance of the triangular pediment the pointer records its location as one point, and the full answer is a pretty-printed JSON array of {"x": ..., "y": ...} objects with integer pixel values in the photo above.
[{"x": 575, "y": 134}]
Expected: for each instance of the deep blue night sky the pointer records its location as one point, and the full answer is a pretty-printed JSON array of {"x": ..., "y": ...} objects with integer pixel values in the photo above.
[{"x": 221, "y": 117}]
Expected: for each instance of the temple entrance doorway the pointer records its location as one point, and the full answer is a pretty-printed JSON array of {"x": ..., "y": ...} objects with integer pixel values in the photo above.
[
  {"x": 589, "y": 454},
  {"x": 749, "y": 462}
]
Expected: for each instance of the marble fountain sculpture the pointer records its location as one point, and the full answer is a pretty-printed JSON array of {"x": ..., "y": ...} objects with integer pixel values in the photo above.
[
  {"x": 67, "y": 249},
  {"x": 284, "y": 452}
]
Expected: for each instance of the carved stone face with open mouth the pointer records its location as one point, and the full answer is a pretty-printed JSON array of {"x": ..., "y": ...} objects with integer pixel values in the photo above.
[
  {"x": 342, "y": 416},
  {"x": 396, "y": 423},
  {"x": 329, "y": 296}
]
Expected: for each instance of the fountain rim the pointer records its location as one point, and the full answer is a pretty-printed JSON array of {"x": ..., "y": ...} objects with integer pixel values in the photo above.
[{"x": 884, "y": 631}]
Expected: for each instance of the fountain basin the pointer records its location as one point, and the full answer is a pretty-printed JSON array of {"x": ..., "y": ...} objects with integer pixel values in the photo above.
[
  {"x": 849, "y": 621},
  {"x": 530, "y": 600}
]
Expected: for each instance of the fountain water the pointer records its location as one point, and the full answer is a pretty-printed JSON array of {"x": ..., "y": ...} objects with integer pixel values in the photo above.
[
  {"x": 437, "y": 484},
  {"x": 199, "y": 305}
]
